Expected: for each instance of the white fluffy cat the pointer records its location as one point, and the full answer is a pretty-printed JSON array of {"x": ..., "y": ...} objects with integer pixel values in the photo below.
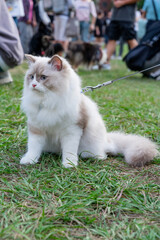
[{"x": 63, "y": 120}]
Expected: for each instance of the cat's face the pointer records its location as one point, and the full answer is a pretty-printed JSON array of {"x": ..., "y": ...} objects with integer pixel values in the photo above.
[{"x": 45, "y": 74}]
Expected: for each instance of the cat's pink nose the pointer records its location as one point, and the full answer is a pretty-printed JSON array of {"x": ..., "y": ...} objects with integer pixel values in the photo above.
[{"x": 34, "y": 85}]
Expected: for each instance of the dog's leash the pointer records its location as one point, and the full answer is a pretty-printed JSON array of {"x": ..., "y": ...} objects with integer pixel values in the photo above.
[{"x": 91, "y": 88}]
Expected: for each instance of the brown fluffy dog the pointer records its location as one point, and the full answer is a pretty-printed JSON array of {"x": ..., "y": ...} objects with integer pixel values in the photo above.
[{"x": 88, "y": 54}]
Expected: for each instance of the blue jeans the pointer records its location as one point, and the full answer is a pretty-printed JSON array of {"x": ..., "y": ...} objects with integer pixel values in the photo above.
[
  {"x": 84, "y": 31},
  {"x": 26, "y": 33}
]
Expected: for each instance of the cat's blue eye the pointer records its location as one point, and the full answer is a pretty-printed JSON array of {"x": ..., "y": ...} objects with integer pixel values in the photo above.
[
  {"x": 43, "y": 77},
  {"x": 31, "y": 77}
]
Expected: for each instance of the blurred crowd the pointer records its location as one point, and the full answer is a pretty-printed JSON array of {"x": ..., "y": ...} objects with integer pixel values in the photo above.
[
  {"x": 42, "y": 23},
  {"x": 32, "y": 16}
]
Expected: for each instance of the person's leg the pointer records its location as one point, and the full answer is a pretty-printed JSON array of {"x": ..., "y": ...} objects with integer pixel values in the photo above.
[
  {"x": 114, "y": 34},
  {"x": 59, "y": 30},
  {"x": 15, "y": 20},
  {"x": 129, "y": 34},
  {"x": 5, "y": 76},
  {"x": 132, "y": 43},
  {"x": 26, "y": 33},
  {"x": 121, "y": 43},
  {"x": 85, "y": 31},
  {"x": 56, "y": 25},
  {"x": 111, "y": 46},
  {"x": 62, "y": 32}
]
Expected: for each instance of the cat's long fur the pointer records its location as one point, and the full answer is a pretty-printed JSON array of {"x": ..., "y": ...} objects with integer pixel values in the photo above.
[{"x": 63, "y": 120}]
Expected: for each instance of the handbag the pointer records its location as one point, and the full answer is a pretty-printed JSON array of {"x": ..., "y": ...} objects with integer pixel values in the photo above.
[
  {"x": 72, "y": 27},
  {"x": 146, "y": 50}
]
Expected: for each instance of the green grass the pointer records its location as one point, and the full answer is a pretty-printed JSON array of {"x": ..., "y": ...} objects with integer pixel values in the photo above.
[{"x": 98, "y": 199}]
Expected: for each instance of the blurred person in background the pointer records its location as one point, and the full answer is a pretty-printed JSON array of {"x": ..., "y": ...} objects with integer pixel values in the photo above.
[
  {"x": 122, "y": 24},
  {"x": 11, "y": 51},
  {"x": 26, "y": 24},
  {"x": 46, "y": 15},
  {"x": 61, "y": 17},
  {"x": 60, "y": 10},
  {"x": 100, "y": 27},
  {"x": 16, "y": 9},
  {"x": 142, "y": 22},
  {"x": 85, "y": 9},
  {"x": 151, "y": 11}
]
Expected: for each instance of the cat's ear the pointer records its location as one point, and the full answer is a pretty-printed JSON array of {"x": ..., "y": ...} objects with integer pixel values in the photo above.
[
  {"x": 31, "y": 59},
  {"x": 56, "y": 62}
]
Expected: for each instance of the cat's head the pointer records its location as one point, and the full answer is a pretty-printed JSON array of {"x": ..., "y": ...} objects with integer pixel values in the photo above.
[{"x": 47, "y": 74}]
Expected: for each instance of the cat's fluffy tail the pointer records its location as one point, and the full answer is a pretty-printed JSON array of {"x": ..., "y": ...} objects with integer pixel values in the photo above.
[{"x": 137, "y": 150}]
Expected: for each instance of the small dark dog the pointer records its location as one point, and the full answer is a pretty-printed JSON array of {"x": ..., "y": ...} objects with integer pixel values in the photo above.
[
  {"x": 88, "y": 54},
  {"x": 41, "y": 40}
]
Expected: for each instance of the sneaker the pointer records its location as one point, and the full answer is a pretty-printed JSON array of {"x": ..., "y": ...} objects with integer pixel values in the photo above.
[
  {"x": 95, "y": 67},
  {"x": 119, "y": 58},
  {"x": 106, "y": 66},
  {"x": 113, "y": 57},
  {"x": 5, "y": 77}
]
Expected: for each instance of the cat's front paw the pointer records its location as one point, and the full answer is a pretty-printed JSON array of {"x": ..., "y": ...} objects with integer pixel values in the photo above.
[
  {"x": 27, "y": 160},
  {"x": 70, "y": 163}
]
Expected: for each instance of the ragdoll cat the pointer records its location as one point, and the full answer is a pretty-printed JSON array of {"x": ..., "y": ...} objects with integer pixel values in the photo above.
[{"x": 63, "y": 120}]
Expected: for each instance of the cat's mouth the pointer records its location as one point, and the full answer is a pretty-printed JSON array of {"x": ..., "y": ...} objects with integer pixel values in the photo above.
[{"x": 36, "y": 89}]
